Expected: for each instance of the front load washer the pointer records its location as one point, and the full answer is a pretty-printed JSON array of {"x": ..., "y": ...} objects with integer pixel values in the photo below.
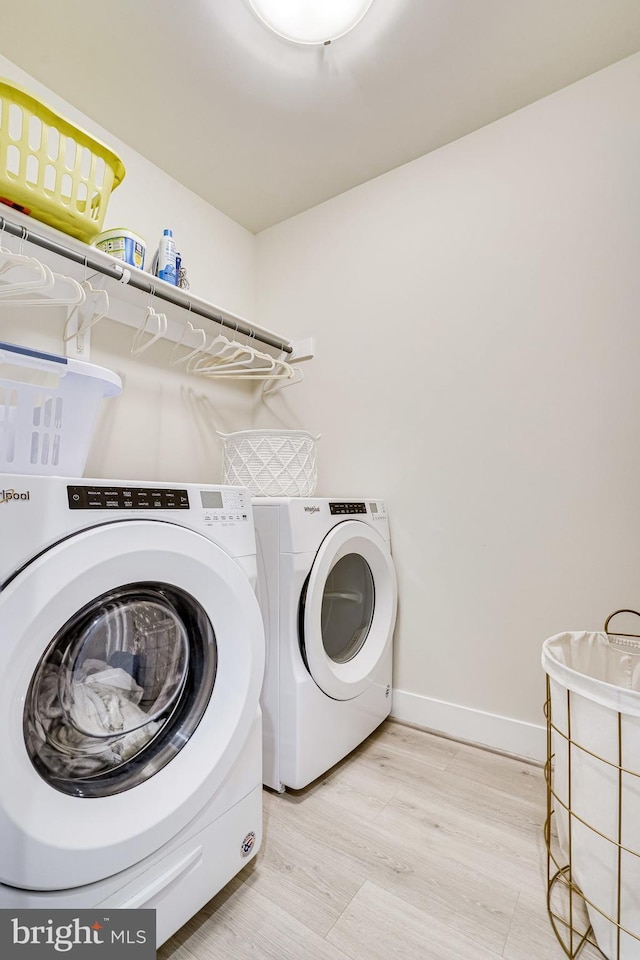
[
  {"x": 133, "y": 657},
  {"x": 327, "y": 590}
]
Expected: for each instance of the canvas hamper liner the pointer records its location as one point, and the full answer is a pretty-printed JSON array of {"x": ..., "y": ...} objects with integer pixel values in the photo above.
[
  {"x": 48, "y": 407},
  {"x": 593, "y": 775},
  {"x": 271, "y": 463}
]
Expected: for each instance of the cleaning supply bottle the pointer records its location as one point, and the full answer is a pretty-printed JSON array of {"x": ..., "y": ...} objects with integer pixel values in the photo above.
[{"x": 167, "y": 258}]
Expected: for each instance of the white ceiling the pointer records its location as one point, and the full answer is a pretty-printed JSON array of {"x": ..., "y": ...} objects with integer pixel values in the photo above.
[{"x": 262, "y": 128}]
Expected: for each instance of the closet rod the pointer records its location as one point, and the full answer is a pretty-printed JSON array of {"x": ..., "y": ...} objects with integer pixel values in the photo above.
[{"x": 117, "y": 272}]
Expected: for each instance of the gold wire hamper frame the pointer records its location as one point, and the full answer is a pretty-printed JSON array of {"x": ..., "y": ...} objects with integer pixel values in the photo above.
[{"x": 575, "y": 922}]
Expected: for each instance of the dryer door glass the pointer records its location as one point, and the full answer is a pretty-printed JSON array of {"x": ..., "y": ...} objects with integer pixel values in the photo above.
[
  {"x": 347, "y": 611},
  {"x": 120, "y": 689},
  {"x": 347, "y": 607}
]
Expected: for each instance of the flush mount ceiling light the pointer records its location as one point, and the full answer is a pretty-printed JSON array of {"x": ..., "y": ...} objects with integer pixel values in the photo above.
[{"x": 311, "y": 21}]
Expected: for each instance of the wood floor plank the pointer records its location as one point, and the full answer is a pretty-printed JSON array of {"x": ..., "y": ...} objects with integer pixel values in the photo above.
[
  {"x": 242, "y": 925},
  {"x": 397, "y": 764},
  {"x": 521, "y": 814},
  {"x": 412, "y": 847},
  {"x": 475, "y": 901},
  {"x": 466, "y": 837},
  {"x": 358, "y": 790},
  {"x": 516, "y": 777},
  {"x": 294, "y": 872},
  {"x": 380, "y": 926},
  {"x": 531, "y": 934},
  {"x": 436, "y": 751}
]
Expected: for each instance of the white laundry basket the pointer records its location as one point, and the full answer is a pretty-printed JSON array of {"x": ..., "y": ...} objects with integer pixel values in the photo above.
[
  {"x": 48, "y": 406},
  {"x": 593, "y": 778},
  {"x": 271, "y": 463}
]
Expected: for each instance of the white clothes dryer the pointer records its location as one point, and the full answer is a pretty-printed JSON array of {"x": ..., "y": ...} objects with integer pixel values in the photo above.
[
  {"x": 133, "y": 657},
  {"x": 328, "y": 594}
]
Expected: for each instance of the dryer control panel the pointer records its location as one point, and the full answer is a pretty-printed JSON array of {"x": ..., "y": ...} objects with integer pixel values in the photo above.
[{"x": 347, "y": 508}]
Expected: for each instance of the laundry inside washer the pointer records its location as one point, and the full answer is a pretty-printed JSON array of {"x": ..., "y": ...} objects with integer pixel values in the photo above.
[{"x": 120, "y": 690}]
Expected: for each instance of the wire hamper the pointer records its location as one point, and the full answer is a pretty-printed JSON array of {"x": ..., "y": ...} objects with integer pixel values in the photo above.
[
  {"x": 271, "y": 463},
  {"x": 592, "y": 772}
]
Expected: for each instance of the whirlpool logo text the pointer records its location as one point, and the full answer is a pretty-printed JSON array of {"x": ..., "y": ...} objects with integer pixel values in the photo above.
[
  {"x": 6, "y": 496},
  {"x": 47, "y": 933}
]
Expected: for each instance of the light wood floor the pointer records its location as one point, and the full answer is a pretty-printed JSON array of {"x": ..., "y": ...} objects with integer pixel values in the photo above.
[{"x": 413, "y": 847}]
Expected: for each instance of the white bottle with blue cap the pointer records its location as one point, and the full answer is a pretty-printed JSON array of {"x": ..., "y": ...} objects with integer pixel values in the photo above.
[{"x": 167, "y": 258}]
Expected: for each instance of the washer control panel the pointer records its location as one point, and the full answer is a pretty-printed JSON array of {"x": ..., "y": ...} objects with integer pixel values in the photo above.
[
  {"x": 222, "y": 506},
  {"x": 127, "y": 498}
]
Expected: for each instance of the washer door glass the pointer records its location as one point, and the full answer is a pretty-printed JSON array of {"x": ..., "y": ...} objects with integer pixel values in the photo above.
[
  {"x": 347, "y": 607},
  {"x": 120, "y": 689}
]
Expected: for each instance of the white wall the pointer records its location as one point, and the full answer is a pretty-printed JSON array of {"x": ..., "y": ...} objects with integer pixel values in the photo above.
[
  {"x": 476, "y": 318},
  {"x": 162, "y": 427},
  {"x": 477, "y": 315}
]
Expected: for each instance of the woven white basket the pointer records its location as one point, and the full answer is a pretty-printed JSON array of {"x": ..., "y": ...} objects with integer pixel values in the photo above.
[
  {"x": 271, "y": 463},
  {"x": 48, "y": 406}
]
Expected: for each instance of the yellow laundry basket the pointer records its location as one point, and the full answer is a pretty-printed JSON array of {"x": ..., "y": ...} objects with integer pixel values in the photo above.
[{"x": 51, "y": 169}]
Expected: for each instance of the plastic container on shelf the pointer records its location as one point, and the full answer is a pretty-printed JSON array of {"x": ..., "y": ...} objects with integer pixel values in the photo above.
[
  {"x": 48, "y": 407},
  {"x": 51, "y": 169},
  {"x": 271, "y": 463},
  {"x": 166, "y": 269},
  {"x": 124, "y": 245}
]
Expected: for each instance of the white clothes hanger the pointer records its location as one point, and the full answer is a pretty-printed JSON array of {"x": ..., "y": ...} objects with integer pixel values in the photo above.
[
  {"x": 209, "y": 360},
  {"x": 273, "y": 384},
  {"x": 281, "y": 371},
  {"x": 229, "y": 351},
  {"x": 175, "y": 359},
  {"x": 151, "y": 320},
  {"x": 12, "y": 262},
  {"x": 58, "y": 290},
  {"x": 204, "y": 354},
  {"x": 42, "y": 280},
  {"x": 233, "y": 368},
  {"x": 241, "y": 369},
  {"x": 85, "y": 315}
]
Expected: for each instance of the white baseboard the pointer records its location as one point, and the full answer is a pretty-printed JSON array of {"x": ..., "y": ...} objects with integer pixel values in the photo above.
[{"x": 526, "y": 740}]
